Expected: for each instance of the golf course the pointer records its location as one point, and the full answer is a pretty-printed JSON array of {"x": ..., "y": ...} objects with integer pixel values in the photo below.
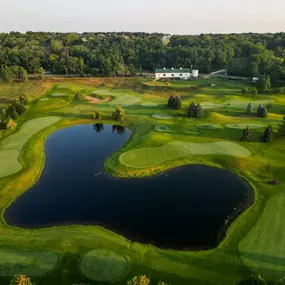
[{"x": 150, "y": 144}]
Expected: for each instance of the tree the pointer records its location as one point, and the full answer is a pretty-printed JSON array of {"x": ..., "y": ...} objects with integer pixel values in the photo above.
[
  {"x": 254, "y": 91},
  {"x": 118, "y": 114},
  {"x": 268, "y": 134},
  {"x": 11, "y": 124},
  {"x": 244, "y": 91},
  {"x": 261, "y": 111},
  {"x": 23, "y": 74},
  {"x": 23, "y": 99},
  {"x": 139, "y": 280},
  {"x": 11, "y": 111},
  {"x": 191, "y": 110},
  {"x": 171, "y": 101},
  {"x": 20, "y": 108},
  {"x": 3, "y": 115},
  {"x": 264, "y": 84},
  {"x": 281, "y": 128},
  {"x": 281, "y": 281},
  {"x": 246, "y": 135},
  {"x": 199, "y": 111},
  {"x": 97, "y": 115},
  {"x": 41, "y": 73},
  {"x": 177, "y": 103},
  {"x": 253, "y": 280},
  {"x": 20, "y": 279},
  {"x": 78, "y": 96},
  {"x": 98, "y": 128},
  {"x": 249, "y": 109}
]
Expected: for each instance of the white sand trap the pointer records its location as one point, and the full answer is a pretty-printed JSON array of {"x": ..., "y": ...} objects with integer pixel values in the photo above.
[
  {"x": 244, "y": 125},
  {"x": 58, "y": 95},
  {"x": 44, "y": 99},
  {"x": 94, "y": 100},
  {"x": 148, "y": 104},
  {"x": 208, "y": 126},
  {"x": 162, "y": 116},
  {"x": 162, "y": 129}
]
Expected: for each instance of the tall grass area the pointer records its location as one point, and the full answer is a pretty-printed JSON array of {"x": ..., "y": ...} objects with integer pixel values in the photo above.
[{"x": 68, "y": 254}]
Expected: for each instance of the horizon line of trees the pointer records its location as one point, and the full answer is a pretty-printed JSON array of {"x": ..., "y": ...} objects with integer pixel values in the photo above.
[{"x": 112, "y": 54}]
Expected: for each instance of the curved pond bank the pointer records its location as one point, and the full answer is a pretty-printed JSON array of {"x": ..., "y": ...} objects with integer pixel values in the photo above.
[{"x": 182, "y": 208}]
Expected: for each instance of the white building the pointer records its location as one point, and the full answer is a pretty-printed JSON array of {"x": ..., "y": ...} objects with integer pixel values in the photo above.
[{"x": 175, "y": 73}]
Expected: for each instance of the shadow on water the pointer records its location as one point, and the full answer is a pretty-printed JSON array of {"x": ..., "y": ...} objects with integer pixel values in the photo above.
[{"x": 183, "y": 208}]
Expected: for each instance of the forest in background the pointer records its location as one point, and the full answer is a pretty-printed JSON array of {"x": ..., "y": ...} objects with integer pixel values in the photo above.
[{"x": 123, "y": 54}]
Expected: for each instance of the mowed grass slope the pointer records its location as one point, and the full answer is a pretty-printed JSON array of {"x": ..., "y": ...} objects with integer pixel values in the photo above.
[{"x": 73, "y": 254}]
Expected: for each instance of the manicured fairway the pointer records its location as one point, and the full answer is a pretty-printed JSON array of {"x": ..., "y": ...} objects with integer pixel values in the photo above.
[
  {"x": 103, "y": 265},
  {"x": 31, "y": 263},
  {"x": 208, "y": 126},
  {"x": 162, "y": 128},
  {"x": 239, "y": 104},
  {"x": 263, "y": 249},
  {"x": 162, "y": 116},
  {"x": 151, "y": 156},
  {"x": 44, "y": 99},
  {"x": 148, "y": 104},
  {"x": 58, "y": 95},
  {"x": 12, "y": 145},
  {"x": 244, "y": 125},
  {"x": 211, "y": 105}
]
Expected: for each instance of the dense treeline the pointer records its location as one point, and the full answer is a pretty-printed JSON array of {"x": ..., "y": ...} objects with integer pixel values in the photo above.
[{"x": 125, "y": 53}]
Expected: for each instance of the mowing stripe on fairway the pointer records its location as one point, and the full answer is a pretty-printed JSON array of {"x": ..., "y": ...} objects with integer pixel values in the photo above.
[
  {"x": 208, "y": 126},
  {"x": 162, "y": 116},
  {"x": 244, "y": 125},
  {"x": 148, "y": 104},
  {"x": 152, "y": 156},
  {"x": 10, "y": 147},
  {"x": 34, "y": 263},
  {"x": 103, "y": 265},
  {"x": 263, "y": 249}
]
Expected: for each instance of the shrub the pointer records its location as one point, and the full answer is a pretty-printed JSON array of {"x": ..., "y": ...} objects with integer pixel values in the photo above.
[
  {"x": 23, "y": 99},
  {"x": 268, "y": 134},
  {"x": 20, "y": 279},
  {"x": 253, "y": 280},
  {"x": 78, "y": 96},
  {"x": 11, "y": 124},
  {"x": 139, "y": 280},
  {"x": 118, "y": 114},
  {"x": 244, "y": 91},
  {"x": 97, "y": 115}
]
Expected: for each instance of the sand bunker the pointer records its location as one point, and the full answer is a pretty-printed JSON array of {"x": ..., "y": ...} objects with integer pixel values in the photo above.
[
  {"x": 162, "y": 129},
  {"x": 245, "y": 125},
  {"x": 94, "y": 100}
]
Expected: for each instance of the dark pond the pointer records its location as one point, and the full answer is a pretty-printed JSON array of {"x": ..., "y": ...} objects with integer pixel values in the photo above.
[{"x": 181, "y": 208}]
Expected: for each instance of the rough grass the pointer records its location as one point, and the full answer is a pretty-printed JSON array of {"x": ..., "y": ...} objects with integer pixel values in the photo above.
[
  {"x": 208, "y": 126},
  {"x": 11, "y": 146},
  {"x": 103, "y": 265},
  {"x": 244, "y": 125},
  {"x": 263, "y": 249},
  {"x": 31, "y": 263},
  {"x": 152, "y": 156},
  {"x": 162, "y": 116},
  {"x": 162, "y": 128}
]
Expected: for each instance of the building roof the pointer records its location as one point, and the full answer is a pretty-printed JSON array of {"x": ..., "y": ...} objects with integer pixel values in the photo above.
[{"x": 175, "y": 70}]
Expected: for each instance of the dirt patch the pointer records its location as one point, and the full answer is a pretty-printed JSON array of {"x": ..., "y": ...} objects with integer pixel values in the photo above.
[{"x": 94, "y": 100}]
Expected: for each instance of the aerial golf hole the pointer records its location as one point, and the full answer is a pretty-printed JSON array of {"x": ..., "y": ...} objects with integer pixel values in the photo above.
[{"x": 182, "y": 208}]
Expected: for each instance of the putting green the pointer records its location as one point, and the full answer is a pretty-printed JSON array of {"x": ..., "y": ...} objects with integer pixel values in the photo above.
[
  {"x": 148, "y": 104},
  {"x": 124, "y": 100},
  {"x": 10, "y": 147},
  {"x": 244, "y": 125},
  {"x": 34, "y": 263},
  {"x": 162, "y": 128},
  {"x": 208, "y": 126},
  {"x": 103, "y": 265},
  {"x": 263, "y": 249},
  {"x": 162, "y": 116},
  {"x": 152, "y": 156}
]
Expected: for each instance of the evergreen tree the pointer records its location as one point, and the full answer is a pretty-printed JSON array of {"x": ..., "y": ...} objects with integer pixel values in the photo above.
[
  {"x": 191, "y": 110},
  {"x": 264, "y": 84},
  {"x": 23, "y": 99},
  {"x": 246, "y": 135},
  {"x": 249, "y": 109},
  {"x": 199, "y": 111},
  {"x": 177, "y": 102},
  {"x": 11, "y": 111},
  {"x": 171, "y": 101},
  {"x": 261, "y": 111},
  {"x": 268, "y": 134},
  {"x": 118, "y": 114},
  {"x": 281, "y": 128},
  {"x": 253, "y": 280}
]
